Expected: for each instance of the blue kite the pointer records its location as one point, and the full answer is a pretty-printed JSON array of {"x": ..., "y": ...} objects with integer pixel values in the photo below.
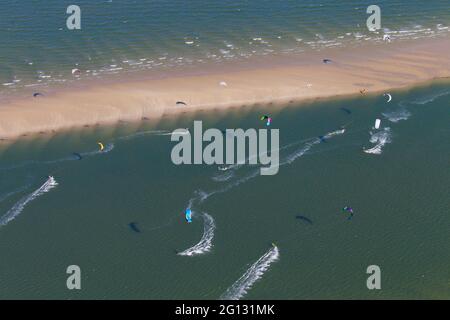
[{"x": 188, "y": 215}]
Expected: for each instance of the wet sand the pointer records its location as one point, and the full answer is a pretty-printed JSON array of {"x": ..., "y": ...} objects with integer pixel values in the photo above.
[{"x": 280, "y": 80}]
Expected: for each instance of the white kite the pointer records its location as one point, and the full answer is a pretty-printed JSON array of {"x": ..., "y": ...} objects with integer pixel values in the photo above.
[
  {"x": 389, "y": 96},
  {"x": 377, "y": 124}
]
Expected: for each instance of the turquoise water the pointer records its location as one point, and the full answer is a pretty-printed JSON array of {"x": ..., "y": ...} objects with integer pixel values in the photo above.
[
  {"x": 120, "y": 36},
  {"x": 399, "y": 197}
]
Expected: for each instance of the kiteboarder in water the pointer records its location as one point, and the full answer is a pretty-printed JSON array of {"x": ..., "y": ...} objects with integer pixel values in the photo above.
[{"x": 349, "y": 210}]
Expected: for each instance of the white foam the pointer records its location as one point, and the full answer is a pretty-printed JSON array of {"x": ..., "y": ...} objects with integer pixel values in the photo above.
[
  {"x": 254, "y": 273},
  {"x": 288, "y": 160},
  {"x": 109, "y": 147},
  {"x": 334, "y": 133},
  {"x": 223, "y": 177},
  {"x": 11, "y": 193},
  {"x": 201, "y": 196},
  {"x": 300, "y": 152},
  {"x": 20, "y": 205},
  {"x": 304, "y": 149},
  {"x": 397, "y": 115},
  {"x": 430, "y": 98},
  {"x": 380, "y": 138},
  {"x": 205, "y": 243}
]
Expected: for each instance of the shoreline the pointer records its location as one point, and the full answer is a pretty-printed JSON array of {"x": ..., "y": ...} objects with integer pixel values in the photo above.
[{"x": 272, "y": 80}]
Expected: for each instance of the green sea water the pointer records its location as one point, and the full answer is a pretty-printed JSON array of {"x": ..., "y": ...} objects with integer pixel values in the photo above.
[
  {"x": 399, "y": 197},
  {"x": 122, "y": 36}
]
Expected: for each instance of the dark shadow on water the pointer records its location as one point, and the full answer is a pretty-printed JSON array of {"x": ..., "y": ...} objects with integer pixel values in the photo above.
[{"x": 305, "y": 219}]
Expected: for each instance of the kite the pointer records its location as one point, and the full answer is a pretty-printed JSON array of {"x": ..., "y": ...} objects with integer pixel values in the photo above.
[
  {"x": 389, "y": 97},
  {"x": 377, "y": 124},
  {"x": 267, "y": 118},
  {"x": 188, "y": 215}
]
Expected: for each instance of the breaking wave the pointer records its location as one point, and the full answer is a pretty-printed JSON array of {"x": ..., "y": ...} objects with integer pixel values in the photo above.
[{"x": 254, "y": 273}]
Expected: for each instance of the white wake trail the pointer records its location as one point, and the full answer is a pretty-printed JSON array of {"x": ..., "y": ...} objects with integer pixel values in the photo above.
[
  {"x": 380, "y": 138},
  {"x": 254, "y": 273},
  {"x": 288, "y": 160},
  {"x": 223, "y": 177},
  {"x": 397, "y": 115},
  {"x": 298, "y": 153},
  {"x": 205, "y": 243},
  {"x": 334, "y": 133},
  {"x": 20, "y": 205},
  {"x": 11, "y": 193},
  {"x": 430, "y": 98},
  {"x": 303, "y": 150},
  {"x": 109, "y": 147}
]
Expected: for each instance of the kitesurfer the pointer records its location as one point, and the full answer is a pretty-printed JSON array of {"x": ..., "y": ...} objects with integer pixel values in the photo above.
[{"x": 349, "y": 210}]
